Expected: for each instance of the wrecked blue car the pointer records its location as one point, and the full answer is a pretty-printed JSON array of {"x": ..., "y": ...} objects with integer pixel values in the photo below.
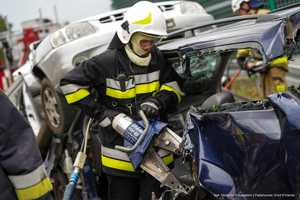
[{"x": 248, "y": 150}]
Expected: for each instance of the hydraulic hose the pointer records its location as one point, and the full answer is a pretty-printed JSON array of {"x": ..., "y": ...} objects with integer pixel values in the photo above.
[
  {"x": 78, "y": 165},
  {"x": 69, "y": 191}
]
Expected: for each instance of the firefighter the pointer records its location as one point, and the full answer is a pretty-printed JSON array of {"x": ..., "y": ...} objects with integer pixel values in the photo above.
[
  {"x": 131, "y": 74},
  {"x": 274, "y": 77},
  {"x": 22, "y": 173}
]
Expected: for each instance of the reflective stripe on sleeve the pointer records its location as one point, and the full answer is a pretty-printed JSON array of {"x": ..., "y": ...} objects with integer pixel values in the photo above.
[
  {"x": 243, "y": 53},
  {"x": 147, "y": 88},
  {"x": 77, "y": 96},
  {"x": 173, "y": 87},
  {"x": 36, "y": 191},
  {"x": 279, "y": 61},
  {"x": 71, "y": 88},
  {"x": 32, "y": 185},
  {"x": 280, "y": 88}
]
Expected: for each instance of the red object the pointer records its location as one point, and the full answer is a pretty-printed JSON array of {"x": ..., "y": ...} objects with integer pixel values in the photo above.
[
  {"x": 29, "y": 37},
  {"x": 232, "y": 79}
]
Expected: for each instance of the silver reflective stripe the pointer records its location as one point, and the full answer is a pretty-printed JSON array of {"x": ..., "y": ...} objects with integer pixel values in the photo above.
[
  {"x": 111, "y": 83},
  {"x": 30, "y": 179},
  {"x": 70, "y": 88},
  {"x": 106, "y": 122},
  {"x": 175, "y": 86},
  {"x": 163, "y": 153},
  {"x": 113, "y": 153},
  {"x": 138, "y": 79},
  {"x": 146, "y": 78}
]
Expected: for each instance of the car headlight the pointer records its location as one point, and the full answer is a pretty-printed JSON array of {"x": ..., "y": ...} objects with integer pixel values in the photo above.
[
  {"x": 191, "y": 8},
  {"x": 57, "y": 39},
  {"x": 70, "y": 33}
]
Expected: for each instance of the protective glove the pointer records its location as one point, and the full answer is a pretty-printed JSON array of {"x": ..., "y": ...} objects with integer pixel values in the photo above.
[{"x": 151, "y": 107}]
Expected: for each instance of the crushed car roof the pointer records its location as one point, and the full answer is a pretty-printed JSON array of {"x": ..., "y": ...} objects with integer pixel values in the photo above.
[{"x": 265, "y": 30}]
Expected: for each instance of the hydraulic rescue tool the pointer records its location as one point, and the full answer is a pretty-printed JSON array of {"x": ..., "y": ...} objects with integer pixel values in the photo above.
[
  {"x": 144, "y": 141},
  {"x": 152, "y": 163}
]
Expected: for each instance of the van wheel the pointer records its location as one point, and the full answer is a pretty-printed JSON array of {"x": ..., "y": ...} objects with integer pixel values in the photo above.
[{"x": 58, "y": 114}]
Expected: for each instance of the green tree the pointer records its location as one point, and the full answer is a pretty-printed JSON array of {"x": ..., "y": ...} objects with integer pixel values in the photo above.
[{"x": 3, "y": 26}]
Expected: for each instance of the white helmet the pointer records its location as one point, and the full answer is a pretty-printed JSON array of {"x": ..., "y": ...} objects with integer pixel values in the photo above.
[
  {"x": 236, "y": 4},
  {"x": 143, "y": 17}
]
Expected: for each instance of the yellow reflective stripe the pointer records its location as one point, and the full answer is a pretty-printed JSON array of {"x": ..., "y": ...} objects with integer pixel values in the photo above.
[
  {"x": 117, "y": 164},
  {"x": 280, "y": 88},
  {"x": 168, "y": 159},
  {"x": 147, "y": 88},
  {"x": 77, "y": 96},
  {"x": 35, "y": 191},
  {"x": 118, "y": 94},
  {"x": 243, "y": 53},
  {"x": 29, "y": 179},
  {"x": 145, "y": 21},
  {"x": 127, "y": 166},
  {"x": 131, "y": 93},
  {"x": 170, "y": 89},
  {"x": 279, "y": 61}
]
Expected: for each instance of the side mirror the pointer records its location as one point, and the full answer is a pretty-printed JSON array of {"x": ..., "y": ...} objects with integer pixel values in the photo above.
[{"x": 218, "y": 99}]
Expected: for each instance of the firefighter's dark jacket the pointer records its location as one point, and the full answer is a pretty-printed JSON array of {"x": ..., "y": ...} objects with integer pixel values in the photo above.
[
  {"x": 120, "y": 86},
  {"x": 22, "y": 173}
]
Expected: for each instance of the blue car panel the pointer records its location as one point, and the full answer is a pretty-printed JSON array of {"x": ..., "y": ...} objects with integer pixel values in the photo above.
[{"x": 241, "y": 154}]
